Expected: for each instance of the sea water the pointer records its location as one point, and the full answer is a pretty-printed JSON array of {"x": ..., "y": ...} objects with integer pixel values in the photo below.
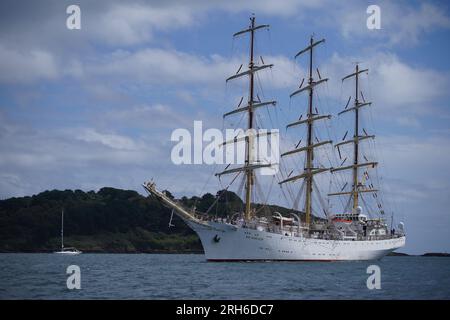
[{"x": 184, "y": 276}]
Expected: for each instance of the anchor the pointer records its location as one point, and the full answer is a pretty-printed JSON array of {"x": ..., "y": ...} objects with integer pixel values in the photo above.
[{"x": 216, "y": 238}]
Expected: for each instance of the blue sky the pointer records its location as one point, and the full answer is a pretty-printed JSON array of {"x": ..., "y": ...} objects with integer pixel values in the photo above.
[{"x": 95, "y": 107}]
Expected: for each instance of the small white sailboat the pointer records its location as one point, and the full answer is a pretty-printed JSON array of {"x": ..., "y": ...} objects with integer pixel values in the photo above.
[{"x": 67, "y": 250}]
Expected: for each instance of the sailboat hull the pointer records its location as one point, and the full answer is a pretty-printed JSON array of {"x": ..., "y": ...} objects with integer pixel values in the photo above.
[
  {"x": 68, "y": 253},
  {"x": 224, "y": 242}
]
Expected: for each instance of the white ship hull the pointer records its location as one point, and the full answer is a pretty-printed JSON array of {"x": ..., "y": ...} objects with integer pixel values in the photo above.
[{"x": 225, "y": 242}]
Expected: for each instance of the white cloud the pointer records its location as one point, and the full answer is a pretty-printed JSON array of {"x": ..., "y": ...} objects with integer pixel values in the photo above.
[
  {"x": 267, "y": 7},
  {"x": 392, "y": 85},
  {"x": 27, "y": 66},
  {"x": 111, "y": 140},
  {"x": 133, "y": 23},
  {"x": 150, "y": 116},
  {"x": 400, "y": 24},
  {"x": 423, "y": 159},
  {"x": 163, "y": 67},
  {"x": 158, "y": 66},
  {"x": 34, "y": 160},
  {"x": 43, "y": 150},
  {"x": 404, "y": 85},
  {"x": 407, "y": 25},
  {"x": 284, "y": 74}
]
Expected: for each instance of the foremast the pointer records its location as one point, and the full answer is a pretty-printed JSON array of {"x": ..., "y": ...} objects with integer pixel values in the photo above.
[
  {"x": 357, "y": 186},
  {"x": 252, "y": 104},
  {"x": 250, "y": 173},
  {"x": 312, "y": 115}
]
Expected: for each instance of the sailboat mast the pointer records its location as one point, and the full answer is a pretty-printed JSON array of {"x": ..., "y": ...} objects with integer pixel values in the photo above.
[
  {"x": 249, "y": 173},
  {"x": 356, "y": 142},
  {"x": 62, "y": 229}
]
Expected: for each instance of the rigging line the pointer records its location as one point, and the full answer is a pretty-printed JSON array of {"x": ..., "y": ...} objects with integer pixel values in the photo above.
[
  {"x": 330, "y": 184},
  {"x": 269, "y": 34},
  {"x": 267, "y": 109},
  {"x": 240, "y": 120},
  {"x": 241, "y": 185},
  {"x": 232, "y": 46},
  {"x": 259, "y": 84},
  {"x": 298, "y": 197},
  {"x": 261, "y": 194},
  {"x": 284, "y": 195},
  {"x": 220, "y": 193},
  {"x": 390, "y": 201},
  {"x": 319, "y": 196},
  {"x": 288, "y": 189},
  {"x": 278, "y": 115},
  {"x": 270, "y": 189},
  {"x": 380, "y": 155},
  {"x": 347, "y": 206},
  {"x": 257, "y": 190},
  {"x": 368, "y": 207},
  {"x": 338, "y": 178},
  {"x": 209, "y": 179},
  {"x": 315, "y": 205}
]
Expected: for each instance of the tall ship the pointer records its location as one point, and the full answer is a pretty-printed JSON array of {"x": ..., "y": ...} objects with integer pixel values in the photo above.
[{"x": 313, "y": 230}]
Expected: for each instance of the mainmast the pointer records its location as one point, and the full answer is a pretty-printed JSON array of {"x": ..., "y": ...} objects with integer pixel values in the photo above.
[
  {"x": 250, "y": 181},
  {"x": 312, "y": 115},
  {"x": 252, "y": 104},
  {"x": 357, "y": 186},
  {"x": 356, "y": 142}
]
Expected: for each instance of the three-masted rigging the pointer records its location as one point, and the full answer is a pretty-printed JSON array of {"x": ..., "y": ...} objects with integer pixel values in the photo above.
[
  {"x": 310, "y": 169},
  {"x": 251, "y": 163},
  {"x": 347, "y": 236}
]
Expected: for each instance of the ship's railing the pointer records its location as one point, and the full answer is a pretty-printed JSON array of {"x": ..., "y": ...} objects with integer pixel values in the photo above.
[{"x": 293, "y": 230}]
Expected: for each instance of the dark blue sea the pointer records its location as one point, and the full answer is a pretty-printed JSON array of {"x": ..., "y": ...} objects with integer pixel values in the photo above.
[{"x": 161, "y": 276}]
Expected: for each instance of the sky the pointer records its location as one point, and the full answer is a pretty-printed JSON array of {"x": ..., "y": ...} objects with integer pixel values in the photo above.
[{"x": 83, "y": 109}]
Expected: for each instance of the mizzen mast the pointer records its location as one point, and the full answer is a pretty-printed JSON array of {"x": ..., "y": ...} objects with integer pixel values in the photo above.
[
  {"x": 312, "y": 115},
  {"x": 357, "y": 186},
  {"x": 252, "y": 104}
]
